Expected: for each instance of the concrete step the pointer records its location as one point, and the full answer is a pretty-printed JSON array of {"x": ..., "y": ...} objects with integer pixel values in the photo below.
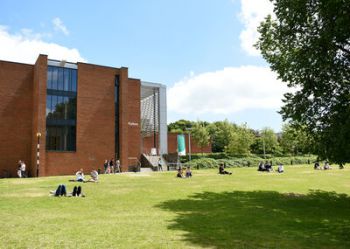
[{"x": 146, "y": 170}]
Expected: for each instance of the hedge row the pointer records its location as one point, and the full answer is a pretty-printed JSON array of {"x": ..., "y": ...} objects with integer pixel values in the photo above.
[{"x": 204, "y": 163}]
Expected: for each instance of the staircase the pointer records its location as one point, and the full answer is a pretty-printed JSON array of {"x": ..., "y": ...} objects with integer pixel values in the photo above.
[{"x": 149, "y": 163}]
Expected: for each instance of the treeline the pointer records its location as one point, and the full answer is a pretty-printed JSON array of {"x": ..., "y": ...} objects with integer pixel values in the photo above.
[{"x": 241, "y": 141}]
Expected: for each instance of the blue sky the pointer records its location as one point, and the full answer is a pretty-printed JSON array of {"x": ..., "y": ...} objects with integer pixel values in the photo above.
[{"x": 201, "y": 49}]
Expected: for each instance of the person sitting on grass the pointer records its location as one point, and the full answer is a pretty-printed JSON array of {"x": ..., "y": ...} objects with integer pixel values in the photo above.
[
  {"x": 188, "y": 172},
  {"x": 222, "y": 170},
  {"x": 327, "y": 166},
  {"x": 179, "y": 172},
  {"x": 261, "y": 167},
  {"x": 94, "y": 176},
  {"x": 80, "y": 175},
  {"x": 280, "y": 168},
  {"x": 268, "y": 166},
  {"x": 317, "y": 166}
]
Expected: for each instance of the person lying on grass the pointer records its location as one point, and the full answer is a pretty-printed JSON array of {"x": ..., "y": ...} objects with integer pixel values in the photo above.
[
  {"x": 222, "y": 170},
  {"x": 62, "y": 191}
]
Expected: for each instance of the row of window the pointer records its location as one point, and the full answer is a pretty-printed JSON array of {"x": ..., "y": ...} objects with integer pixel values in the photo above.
[
  {"x": 61, "y": 79},
  {"x": 61, "y": 107},
  {"x": 61, "y": 138}
]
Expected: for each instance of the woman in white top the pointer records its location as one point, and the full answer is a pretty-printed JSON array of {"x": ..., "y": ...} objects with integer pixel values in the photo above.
[{"x": 80, "y": 175}]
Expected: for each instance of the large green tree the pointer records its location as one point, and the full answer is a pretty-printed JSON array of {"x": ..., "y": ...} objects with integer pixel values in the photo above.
[
  {"x": 220, "y": 134},
  {"x": 295, "y": 140},
  {"x": 308, "y": 44},
  {"x": 266, "y": 142},
  {"x": 200, "y": 135},
  {"x": 241, "y": 139}
]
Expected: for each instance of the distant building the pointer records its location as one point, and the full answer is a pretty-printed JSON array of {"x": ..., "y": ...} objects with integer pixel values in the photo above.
[{"x": 85, "y": 114}]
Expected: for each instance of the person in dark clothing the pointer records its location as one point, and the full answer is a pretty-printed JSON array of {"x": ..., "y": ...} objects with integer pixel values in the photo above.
[
  {"x": 105, "y": 166},
  {"x": 111, "y": 166},
  {"x": 222, "y": 170},
  {"x": 179, "y": 173},
  {"x": 261, "y": 167},
  {"x": 61, "y": 190},
  {"x": 317, "y": 166},
  {"x": 268, "y": 166}
]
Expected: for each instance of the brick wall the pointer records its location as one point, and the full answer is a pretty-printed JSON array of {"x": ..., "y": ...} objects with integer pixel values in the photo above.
[
  {"x": 134, "y": 126},
  {"x": 23, "y": 110},
  {"x": 16, "y": 86},
  {"x": 172, "y": 145},
  {"x": 95, "y": 123}
]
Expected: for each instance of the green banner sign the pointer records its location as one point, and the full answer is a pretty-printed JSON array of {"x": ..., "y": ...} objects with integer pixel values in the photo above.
[{"x": 181, "y": 147}]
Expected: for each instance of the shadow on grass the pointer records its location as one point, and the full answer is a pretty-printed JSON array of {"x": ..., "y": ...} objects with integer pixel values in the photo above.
[{"x": 263, "y": 219}]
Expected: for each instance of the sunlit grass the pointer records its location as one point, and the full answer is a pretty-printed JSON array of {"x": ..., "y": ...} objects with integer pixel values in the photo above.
[{"x": 300, "y": 208}]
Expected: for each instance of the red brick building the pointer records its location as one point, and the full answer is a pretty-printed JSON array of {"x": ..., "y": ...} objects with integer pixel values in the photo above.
[
  {"x": 191, "y": 146},
  {"x": 85, "y": 114}
]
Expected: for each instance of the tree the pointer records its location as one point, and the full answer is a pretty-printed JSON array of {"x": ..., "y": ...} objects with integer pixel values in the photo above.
[
  {"x": 220, "y": 134},
  {"x": 266, "y": 142},
  {"x": 295, "y": 140},
  {"x": 241, "y": 139},
  {"x": 180, "y": 126},
  {"x": 308, "y": 45},
  {"x": 200, "y": 135}
]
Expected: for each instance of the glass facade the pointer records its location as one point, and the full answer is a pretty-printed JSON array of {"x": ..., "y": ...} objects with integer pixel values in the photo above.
[{"x": 61, "y": 109}]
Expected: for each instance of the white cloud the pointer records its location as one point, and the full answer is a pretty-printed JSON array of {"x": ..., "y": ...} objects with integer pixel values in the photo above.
[
  {"x": 58, "y": 25},
  {"x": 227, "y": 91},
  {"x": 251, "y": 15},
  {"x": 26, "y": 46}
]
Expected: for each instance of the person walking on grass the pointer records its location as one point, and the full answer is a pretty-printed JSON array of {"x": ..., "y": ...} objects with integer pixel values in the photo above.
[{"x": 117, "y": 166}]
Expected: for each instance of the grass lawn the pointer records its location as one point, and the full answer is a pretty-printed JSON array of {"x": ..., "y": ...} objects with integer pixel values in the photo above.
[{"x": 301, "y": 208}]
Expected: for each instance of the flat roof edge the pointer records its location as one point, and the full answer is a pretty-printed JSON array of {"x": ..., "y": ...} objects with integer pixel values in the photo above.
[{"x": 152, "y": 84}]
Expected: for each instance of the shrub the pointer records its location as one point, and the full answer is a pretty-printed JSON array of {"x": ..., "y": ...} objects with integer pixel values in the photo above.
[
  {"x": 203, "y": 163},
  {"x": 251, "y": 161}
]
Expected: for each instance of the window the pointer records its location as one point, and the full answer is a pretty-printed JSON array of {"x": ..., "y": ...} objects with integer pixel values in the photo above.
[{"x": 61, "y": 106}]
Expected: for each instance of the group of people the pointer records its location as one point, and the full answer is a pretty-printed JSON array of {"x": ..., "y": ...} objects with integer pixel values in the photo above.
[
  {"x": 188, "y": 171},
  {"x": 180, "y": 172},
  {"x": 77, "y": 190},
  {"x": 21, "y": 169},
  {"x": 62, "y": 191},
  {"x": 111, "y": 166},
  {"x": 267, "y": 166},
  {"x": 326, "y": 166},
  {"x": 79, "y": 176}
]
